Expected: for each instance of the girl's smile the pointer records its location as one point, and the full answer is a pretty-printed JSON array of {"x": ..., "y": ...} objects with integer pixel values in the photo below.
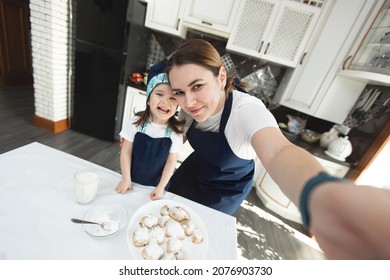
[{"x": 162, "y": 104}]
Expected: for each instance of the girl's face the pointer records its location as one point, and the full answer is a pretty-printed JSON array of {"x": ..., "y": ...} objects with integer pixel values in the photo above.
[
  {"x": 162, "y": 103},
  {"x": 198, "y": 92}
]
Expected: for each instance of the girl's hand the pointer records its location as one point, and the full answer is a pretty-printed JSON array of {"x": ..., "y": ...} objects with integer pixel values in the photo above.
[
  {"x": 157, "y": 193},
  {"x": 121, "y": 139},
  {"x": 124, "y": 186}
]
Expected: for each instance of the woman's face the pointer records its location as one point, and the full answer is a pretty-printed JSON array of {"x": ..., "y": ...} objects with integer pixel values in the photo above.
[
  {"x": 198, "y": 92},
  {"x": 162, "y": 103}
]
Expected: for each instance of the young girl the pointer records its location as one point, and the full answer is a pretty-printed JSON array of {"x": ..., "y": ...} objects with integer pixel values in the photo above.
[{"x": 152, "y": 138}]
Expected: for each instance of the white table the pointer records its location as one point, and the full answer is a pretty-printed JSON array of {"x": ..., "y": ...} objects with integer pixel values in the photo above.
[{"x": 37, "y": 203}]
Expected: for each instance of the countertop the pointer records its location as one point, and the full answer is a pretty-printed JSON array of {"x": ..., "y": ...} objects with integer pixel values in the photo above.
[{"x": 315, "y": 149}]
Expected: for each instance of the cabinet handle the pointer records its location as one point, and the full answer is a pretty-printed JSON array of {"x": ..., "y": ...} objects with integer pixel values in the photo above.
[
  {"x": 207, "y": 23},
  {"x": 261, "y": 46},
  {"x": 345, "y": 62},
  {"x": 266, "y": 49},
  {"x": 303, "y": 56},
  {"x": 177, "y": 25},
  {"x": 142, "y": 93}
]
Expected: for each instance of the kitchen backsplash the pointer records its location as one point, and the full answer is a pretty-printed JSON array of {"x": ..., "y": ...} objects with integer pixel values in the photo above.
[{"x": 363, "y": 134}]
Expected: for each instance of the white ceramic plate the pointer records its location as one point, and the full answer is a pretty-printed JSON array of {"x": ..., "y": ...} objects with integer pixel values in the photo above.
[
  {"x": 114, "y": 213},
  {"x": 193, "y": 251}
]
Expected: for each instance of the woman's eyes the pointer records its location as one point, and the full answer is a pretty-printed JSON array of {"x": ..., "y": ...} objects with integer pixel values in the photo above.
[
  {"x": 197, "y": 87},
  {"x": 179, "y": 92}
]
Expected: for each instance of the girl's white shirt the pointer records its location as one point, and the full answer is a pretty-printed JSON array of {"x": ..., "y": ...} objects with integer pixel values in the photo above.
[
  {"x": 248, "y": 115},
  {"x": 154, "y": 130}
]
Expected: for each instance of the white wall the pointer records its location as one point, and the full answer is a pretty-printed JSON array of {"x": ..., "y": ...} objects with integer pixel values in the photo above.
[{"x": 50, "y": 52}]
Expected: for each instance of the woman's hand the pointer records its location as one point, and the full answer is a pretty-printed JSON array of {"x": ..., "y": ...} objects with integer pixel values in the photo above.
[
  {"x": 157, "y": 193},
  {"x": 124, "y": 186},
  {"x": 351, "y": 222}
]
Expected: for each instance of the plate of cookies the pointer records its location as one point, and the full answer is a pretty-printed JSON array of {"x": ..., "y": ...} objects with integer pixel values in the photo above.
[{"x": 167, "y": 230}]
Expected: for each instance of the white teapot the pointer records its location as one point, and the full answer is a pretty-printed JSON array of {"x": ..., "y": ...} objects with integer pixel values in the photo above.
[
  {"x": 340, "y": 148},
  {"x": 328, "y": 137}
]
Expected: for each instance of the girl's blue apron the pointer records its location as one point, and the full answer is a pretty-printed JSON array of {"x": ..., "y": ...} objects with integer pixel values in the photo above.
[
  {"x": 213, "y": 175},
  {"x": 149, "y": 156}
]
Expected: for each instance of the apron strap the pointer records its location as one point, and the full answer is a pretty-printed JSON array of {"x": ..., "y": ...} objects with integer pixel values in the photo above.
[
  {"x": 142, "y": 128},
  {"x": 236, "y": 84},
  {"x": 168, "y": 132},
  {"x": 226, "y": 113}
]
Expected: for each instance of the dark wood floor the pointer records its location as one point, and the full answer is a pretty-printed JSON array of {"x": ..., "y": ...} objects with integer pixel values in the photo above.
[{"x": 261, "y": 233}]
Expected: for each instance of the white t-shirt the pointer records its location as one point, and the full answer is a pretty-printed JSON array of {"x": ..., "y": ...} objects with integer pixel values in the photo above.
[
  {"x": 153, "y": 130},
  {"x": 248, "y": 115}
]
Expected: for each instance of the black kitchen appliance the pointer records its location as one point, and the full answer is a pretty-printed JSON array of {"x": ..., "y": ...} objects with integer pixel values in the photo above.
[
  {"x": 101, "y": 38},
  {"x": 102, "y": 29}
]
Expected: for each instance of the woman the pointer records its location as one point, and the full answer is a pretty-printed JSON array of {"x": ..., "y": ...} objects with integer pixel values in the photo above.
[{"x": 228, "y": 128}]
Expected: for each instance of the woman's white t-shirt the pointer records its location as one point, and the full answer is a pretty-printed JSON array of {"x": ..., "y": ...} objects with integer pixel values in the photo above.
[
  {"x": 154, "y": 130},
  {"x": 248, "y": 115}
]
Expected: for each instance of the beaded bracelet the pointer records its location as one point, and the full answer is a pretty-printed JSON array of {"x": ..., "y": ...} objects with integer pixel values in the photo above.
[{"x": 320, "y": 178}]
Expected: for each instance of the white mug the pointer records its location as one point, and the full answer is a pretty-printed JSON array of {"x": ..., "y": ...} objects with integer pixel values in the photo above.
[{"x": 86, "y": 185}]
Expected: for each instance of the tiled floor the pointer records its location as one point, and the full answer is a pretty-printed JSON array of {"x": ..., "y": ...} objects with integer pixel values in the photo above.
[{"x": 261, "y": 234}]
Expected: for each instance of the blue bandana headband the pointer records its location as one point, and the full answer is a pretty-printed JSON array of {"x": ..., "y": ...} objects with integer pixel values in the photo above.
[{"x": 161, "y": 78}]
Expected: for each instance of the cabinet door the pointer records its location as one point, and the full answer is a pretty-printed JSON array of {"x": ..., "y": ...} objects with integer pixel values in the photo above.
[
  {"x": 135, "y": 101},
  {"x": 15, "y": 48},
  {"x": 290, "y": 33},
  {"x": 273, "y": 30},
  {"x": 275, "y": 200},
  {"x": 166, "y": 16},
  {"x": 371, "y": 62},
  {"x": 306, "y": 87},
  {"x": 252, "y": 25},
  {"x": 215, "y": 17}
]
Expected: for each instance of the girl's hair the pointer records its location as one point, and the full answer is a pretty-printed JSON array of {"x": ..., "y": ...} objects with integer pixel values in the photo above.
[
  {"x": 201, "y": 53},
  {"x": 145, "y": 116}
]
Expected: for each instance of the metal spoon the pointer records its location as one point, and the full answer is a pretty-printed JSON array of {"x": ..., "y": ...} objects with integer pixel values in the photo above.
[{"x": 105, "y": 226}]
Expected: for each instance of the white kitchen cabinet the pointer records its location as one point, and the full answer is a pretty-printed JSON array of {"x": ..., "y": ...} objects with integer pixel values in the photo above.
[
  {"x": 274, "y": 199},
  {"x": 213, "y": 17},
  {"x": 371, "y": 61},
  {"x": 274, "y": 30},
  {"x": 166, "y": 16},
  {"x": 135, "y": 101},
  {"x": 314, "y": 86}
]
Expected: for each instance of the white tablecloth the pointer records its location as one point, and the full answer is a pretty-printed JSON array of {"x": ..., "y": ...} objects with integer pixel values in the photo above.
[{"x": 37, "y": 203}]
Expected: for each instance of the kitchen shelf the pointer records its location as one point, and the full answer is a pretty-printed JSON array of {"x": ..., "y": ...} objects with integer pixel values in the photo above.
[
  {"x": 373, "y": 56},
  {"x": 367, "y": 77}
]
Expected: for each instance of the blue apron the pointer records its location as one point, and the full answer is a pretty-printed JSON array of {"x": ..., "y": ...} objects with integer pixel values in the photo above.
[
  {"x": 149, "y": 156},
  {"x": 213, "y": 175}
]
